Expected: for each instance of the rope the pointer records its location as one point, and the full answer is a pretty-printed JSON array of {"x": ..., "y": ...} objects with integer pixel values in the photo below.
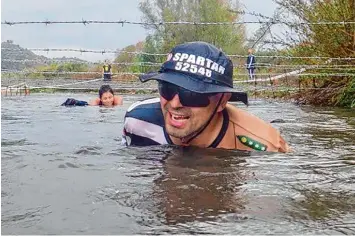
[
  {"x": 82, "y": 82},
  {"x": 17, "y": 85}
]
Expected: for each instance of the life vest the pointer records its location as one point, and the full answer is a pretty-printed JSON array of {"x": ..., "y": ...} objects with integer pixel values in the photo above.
[{"x": 107, "y": 68}]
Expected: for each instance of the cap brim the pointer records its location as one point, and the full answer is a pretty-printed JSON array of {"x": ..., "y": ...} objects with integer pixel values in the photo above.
[{"x": 192, "y": 84}]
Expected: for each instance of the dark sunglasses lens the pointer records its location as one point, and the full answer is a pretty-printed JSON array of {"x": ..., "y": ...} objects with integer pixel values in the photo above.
[
  {"x": 167, "y": 91},
  {"x": 192, "y": 99},
  {"x": 187, "y": 98}
]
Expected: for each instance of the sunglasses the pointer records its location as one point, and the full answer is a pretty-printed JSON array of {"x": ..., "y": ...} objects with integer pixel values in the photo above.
[{"x": 187, "y": 98}]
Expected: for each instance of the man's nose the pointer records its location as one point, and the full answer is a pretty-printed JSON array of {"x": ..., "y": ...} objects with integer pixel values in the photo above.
[{"x": 175, "y": 102}]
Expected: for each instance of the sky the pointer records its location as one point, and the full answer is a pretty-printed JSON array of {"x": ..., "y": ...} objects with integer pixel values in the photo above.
[{"x": 94, "y": 36}]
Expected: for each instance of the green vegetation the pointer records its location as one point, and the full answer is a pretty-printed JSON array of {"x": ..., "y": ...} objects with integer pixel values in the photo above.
[
  {"x": 164, "y": 37},
  {"x": 306, "y": 40},
  {"x": 228, "y": 37},
  {"x": 330, "y": 40},
  {"x": 63, "y": 67}
]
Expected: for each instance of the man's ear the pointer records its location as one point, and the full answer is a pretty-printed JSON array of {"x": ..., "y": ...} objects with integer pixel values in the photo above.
[{"x": 225, "y": 99}]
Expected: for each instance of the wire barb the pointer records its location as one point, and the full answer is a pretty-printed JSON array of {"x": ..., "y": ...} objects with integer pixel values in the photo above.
[{"x": 85, "y": 22}]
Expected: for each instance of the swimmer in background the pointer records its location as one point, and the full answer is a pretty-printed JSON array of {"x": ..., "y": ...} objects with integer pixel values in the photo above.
[{"x": 106, "y": 98}]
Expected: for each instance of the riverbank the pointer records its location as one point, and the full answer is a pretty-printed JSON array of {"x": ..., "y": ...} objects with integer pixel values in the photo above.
[{"x": 286, "y": 92}]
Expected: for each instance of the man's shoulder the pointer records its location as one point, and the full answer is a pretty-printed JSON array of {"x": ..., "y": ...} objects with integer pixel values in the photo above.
[
  {"x": 248, "y": 126},
  {"x": 245, "y": 119},
  {"x": 148, "y": 110},
  {"x": 151, "y": 103},
  {"x": 144, "y": 124}
]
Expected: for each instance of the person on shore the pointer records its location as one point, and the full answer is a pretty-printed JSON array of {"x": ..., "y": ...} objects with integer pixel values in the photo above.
[
  {"x": 251, "y": 64},
  {"x": 107, "y": 71},
  {"x": 195, "y": 84}
]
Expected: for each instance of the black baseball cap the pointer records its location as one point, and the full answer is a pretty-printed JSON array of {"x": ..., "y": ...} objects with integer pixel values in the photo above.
[{"x": 199, "y": 67}]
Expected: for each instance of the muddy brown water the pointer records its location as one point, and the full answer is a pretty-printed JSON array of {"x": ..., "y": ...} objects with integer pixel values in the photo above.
[{"x": 64, "y": 171}]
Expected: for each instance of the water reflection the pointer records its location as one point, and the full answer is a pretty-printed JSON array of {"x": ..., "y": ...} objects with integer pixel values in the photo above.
[
  {"x": 318, "y": 204},
  {"x": 329, "y": 208},
  {"x": 199, "y": 184}
]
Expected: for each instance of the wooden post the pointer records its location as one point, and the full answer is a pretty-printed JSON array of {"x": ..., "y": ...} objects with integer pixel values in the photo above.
[
  {"x": 27, "y": 90},
  {"x": 299, "y": 84}
]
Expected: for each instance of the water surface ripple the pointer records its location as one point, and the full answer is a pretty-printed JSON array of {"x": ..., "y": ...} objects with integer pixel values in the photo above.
[{"x": 64, "y": 171}]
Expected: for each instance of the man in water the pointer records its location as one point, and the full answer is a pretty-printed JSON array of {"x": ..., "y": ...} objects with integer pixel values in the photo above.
[
  {"x": 195, "y": 85},
  {"x": 107, "y": 71},
  {"x": 251, "y": 64}
]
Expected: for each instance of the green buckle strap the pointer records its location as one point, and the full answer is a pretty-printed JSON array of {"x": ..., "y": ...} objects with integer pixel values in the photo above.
[{"x": 252, "y": 143}]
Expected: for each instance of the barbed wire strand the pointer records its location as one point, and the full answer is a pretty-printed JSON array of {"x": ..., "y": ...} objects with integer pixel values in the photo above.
[
  {"x": 123, "y": 22},
  {"x": 147, "y": 64},
  {"x": 298, "y": 73},
  {"x": 156, "y": 90},
  {"x": 165, "y": 54}
]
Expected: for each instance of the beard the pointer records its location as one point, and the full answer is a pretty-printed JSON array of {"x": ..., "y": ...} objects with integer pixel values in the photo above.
[
  {"x": 181, "y": 133},
  {"x": 193, "y": 125}
]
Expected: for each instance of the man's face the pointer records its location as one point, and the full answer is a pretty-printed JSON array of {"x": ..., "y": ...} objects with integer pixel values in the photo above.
[{"x": 181, "y": 121}]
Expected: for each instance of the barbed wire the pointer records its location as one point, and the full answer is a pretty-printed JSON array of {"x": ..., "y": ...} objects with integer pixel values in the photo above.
[
  {"x": 293, "y": 73},
  {"x": 156, "y": 64},
  {"x": 69, "y": 72},
  {"x": 165, "y": 54},
  {"x": 123, "y": 22},
  {"x": 77, "y": 61},
  {"x": 267, "y": 76},
  {"x": 253, "y": 90},
  {"x": 253, "y": 13},
  {"x": 100, "y": 51}
]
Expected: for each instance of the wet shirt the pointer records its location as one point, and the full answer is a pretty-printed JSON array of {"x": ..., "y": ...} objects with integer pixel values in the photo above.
[{"x": 144, "y": 126}]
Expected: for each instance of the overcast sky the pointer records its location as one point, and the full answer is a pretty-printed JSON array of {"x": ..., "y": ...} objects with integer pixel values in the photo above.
[{"x": 95, "y": 36}]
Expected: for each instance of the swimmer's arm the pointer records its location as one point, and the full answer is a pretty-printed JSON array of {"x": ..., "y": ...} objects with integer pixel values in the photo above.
[
  {"x": 94, "y": 102},
  {"x": 117, "y": 100}
]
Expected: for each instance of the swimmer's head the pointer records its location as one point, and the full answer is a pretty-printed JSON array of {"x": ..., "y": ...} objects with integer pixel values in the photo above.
[{"x": 106, "y": 95}]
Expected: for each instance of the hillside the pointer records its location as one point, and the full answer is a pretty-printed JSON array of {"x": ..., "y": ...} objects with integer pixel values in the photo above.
[{"x": 11, "y": 51}]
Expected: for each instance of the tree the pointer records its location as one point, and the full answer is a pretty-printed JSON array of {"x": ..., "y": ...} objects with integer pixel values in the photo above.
[
  {"x": 126, "y": 55},
  {"x": 228, "y": 37},
  {"x": 327, "y": 40}
]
